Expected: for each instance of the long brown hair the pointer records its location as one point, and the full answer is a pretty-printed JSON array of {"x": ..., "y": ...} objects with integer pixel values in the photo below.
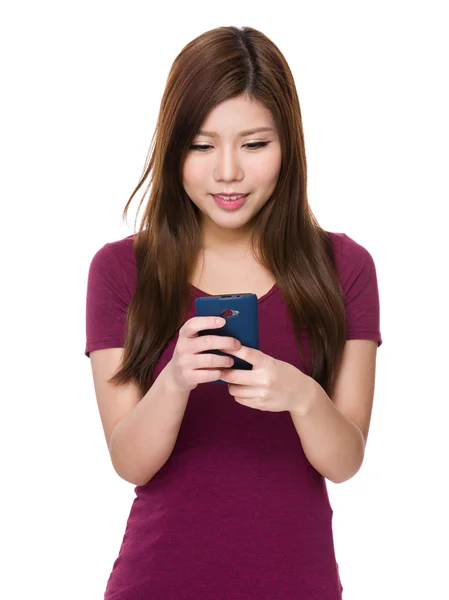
[{"x": 220, "y": 64}]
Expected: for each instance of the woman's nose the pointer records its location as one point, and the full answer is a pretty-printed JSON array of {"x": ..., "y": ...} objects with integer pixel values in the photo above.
[{"x": 228, "y": 165}]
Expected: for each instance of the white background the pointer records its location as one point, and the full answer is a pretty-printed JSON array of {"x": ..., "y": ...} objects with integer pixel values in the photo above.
[{"x": 82, "y": 83}]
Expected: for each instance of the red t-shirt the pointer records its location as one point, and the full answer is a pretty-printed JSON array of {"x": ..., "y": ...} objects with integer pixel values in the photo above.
[{"x": 237, "y": 512}]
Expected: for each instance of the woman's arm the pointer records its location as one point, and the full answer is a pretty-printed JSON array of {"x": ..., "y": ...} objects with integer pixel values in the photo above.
[
  {"x": 142, "y": 442},
  {"x": 333, "y": 444},
  {"x": 333, "y": 432}
]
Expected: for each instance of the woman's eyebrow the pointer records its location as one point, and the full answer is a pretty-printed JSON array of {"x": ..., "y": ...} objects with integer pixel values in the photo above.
[{"x": 241, "y": 134}]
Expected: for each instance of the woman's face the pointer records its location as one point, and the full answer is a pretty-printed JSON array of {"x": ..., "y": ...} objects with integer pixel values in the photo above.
[{"x": 220, "y": 160}]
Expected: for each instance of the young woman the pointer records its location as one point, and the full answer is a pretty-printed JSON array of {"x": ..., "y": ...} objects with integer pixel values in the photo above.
[{"x": 231, "y": 500}]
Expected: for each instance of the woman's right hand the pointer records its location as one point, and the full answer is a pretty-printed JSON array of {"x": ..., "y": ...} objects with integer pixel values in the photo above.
[{"x": 188, "y": 366}]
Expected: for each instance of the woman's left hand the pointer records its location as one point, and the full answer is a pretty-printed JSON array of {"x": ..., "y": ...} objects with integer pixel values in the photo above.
[{"x": 271, "y": 385}]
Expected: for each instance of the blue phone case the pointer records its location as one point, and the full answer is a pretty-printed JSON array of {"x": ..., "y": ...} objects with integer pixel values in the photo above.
[{"x": 241, "y": 312}]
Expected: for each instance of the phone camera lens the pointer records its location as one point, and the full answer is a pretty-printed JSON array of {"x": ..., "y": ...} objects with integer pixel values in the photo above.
[{"x": 226, "y": 313}]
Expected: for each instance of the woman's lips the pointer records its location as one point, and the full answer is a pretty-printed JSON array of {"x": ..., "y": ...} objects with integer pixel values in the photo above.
[{"x": 230, "y": 204}]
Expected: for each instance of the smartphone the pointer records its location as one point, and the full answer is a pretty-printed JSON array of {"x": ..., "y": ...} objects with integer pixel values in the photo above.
[{"x": 241, "y": 312}]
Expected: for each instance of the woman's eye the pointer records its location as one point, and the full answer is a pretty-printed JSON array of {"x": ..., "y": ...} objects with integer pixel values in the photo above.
[{"x": 250, "y": 146}]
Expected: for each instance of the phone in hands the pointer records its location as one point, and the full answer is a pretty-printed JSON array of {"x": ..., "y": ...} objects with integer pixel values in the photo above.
[{"x": 241, "y": 312}]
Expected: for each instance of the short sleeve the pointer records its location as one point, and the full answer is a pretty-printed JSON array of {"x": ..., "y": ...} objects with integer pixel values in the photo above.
[
  {"x": 361, "y": 292},
  {"x": 106, "y": 302}
]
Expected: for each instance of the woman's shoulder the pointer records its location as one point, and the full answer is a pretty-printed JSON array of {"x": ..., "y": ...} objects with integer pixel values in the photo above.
[
  {"x": 121, "y": 247},
  {"x": 119, "y": 251},
  {"x": 347, "y": 250},
  {"x": 114, "y": 261}
]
